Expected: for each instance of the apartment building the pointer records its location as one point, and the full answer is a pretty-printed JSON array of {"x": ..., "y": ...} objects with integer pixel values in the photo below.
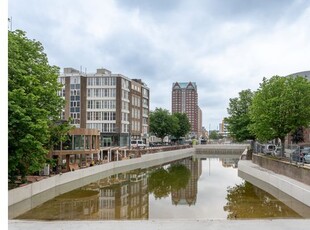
[
  {"x": 185, "y": 100},
  {"x": 112, "y": 103},
  {"x": 223, "y": 128},
  {"x": 139, "y": 109}
]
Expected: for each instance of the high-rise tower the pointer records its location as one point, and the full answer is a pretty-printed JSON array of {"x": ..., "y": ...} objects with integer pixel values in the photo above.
[{"x": 185, "y": 100}]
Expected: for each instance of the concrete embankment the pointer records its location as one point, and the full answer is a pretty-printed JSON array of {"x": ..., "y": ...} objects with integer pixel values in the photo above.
[
  {"x": 25, "y": 198},
  {"x": 292, "y": 188}
]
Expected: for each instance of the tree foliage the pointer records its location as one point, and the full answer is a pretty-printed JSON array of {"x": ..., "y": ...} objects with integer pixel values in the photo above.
[
  {"x": 162, "y": 181},
  {"x": 33, "y": 104},
  {"x": 158, "y": 183},
  {"x": 214, "y": 135},
  {"x": 266, "y": 206},
  {"x": 280, "y": 106},
  {"x": 162, "y": 123},
  {"x": 184, "y": 125},
  {"x": 239, "y": 118}
]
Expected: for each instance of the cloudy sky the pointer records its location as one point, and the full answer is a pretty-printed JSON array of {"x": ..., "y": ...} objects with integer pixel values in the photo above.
[{"x": 225, "y": 46}]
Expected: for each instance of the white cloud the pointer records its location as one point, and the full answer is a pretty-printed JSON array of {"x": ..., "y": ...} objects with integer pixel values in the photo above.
[{"x": 223, "y": 48}]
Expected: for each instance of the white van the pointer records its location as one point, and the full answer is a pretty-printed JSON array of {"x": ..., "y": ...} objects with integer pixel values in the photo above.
[{"x": 137, "y": 144}]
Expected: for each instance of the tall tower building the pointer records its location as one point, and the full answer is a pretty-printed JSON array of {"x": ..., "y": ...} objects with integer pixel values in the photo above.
[
  {"x": 112, "y": 103},
  {"x": 185, "y": 100}
]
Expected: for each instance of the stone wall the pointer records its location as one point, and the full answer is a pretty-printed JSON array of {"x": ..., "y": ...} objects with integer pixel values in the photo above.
[{"x": 296, "y": 172}]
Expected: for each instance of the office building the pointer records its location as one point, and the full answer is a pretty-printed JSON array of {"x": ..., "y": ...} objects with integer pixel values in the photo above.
[
  {"x": 185, "y": 100},
  {"x": 112, "y": 103}
]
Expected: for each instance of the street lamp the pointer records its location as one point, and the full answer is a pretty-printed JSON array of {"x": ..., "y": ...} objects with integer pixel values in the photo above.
[{"x": 129, "y": 133}]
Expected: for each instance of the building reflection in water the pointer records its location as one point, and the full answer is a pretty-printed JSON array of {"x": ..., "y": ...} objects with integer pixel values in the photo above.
[
  {"x": 188, "y": 195},
  {"x": 125, "y": 196},
  {"x": 230, "y": 162},
  {"x": 83, "y": 206}
]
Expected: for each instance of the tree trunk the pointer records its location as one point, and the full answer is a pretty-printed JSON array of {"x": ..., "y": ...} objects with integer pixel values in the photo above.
[{"x": 282, "y": 146}]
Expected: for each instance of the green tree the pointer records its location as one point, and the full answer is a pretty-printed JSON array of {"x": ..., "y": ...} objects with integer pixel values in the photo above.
[
  {"x": 33, "y": 104},
  {"x": 184, "y": 125},
  {"x": 214, "y": 135},
  {"x": 162, "y": 123},
  {"x": 239, "y": 118},
  {"x": 280, "y": 106},
  {"x": 162, "y": 182}
]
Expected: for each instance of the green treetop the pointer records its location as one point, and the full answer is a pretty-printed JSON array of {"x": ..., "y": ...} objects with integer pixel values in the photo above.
[
  {"x": 184, "y": 125},
  {"x": 280, "y": 106},
  {"x": 162, "y": 123},
  {"x": 239, "y": 117},
  {"x": 33, "y": 104}
]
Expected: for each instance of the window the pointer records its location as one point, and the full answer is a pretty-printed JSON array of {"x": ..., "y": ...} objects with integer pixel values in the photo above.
[
  {"x": 97, "y": 91},
  {"x": 98, "y": 104},
  {"x": 98, "y": 81}
]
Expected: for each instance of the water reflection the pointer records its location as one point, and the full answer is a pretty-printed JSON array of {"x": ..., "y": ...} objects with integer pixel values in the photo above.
[
  {"x": 187, "y": 194},
  {"x": 164, "y": 181},
  {"x": 168, "y": 191},
  {"x": 248, "y": 201}
]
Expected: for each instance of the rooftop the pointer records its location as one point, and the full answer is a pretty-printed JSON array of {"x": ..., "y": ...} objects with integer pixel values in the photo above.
[{"x": 184, "y": 85}]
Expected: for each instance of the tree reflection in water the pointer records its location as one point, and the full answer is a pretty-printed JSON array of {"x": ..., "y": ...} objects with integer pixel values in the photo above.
[
  {"x": 162, "y": 182},
  {"x": 246, "y": 201}
]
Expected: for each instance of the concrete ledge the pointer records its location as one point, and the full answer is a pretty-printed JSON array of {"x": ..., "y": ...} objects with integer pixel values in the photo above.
[
  {"x": 25, "y": 198},
  {"x": 291, "y": 187},
  {"x": 223, "y": 146},
  {"x": 164, "y": 224}
]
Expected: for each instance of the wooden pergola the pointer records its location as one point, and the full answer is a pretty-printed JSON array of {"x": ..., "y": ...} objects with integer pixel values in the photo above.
[{"x": 82, "y": 142}]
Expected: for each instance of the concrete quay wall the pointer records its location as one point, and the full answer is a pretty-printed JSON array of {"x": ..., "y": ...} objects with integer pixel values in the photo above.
[
  {"x": 298, "y": 190},
  {"x": 27, "y": 197},
  {"x": 296, "y": 172}
]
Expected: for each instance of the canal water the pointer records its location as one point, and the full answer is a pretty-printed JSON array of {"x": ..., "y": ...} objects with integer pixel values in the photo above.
[{"x": 190, "y": 188}]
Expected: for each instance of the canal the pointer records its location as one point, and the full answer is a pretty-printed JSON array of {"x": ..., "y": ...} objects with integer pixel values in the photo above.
[{"x": 190, "y": 188}]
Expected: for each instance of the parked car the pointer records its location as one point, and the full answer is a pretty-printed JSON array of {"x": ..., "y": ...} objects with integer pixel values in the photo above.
[
  {"x": 305, "y": 150},
  {"x": 269, "y": 149},
  {"x": 307, "y": 158},
  {"x": 299, "y": 154},
  {"x": 305, "y": 154}
]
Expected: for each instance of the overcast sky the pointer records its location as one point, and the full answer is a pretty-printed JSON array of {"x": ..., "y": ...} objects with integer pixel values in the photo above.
[{"x": 225, "y": 46}]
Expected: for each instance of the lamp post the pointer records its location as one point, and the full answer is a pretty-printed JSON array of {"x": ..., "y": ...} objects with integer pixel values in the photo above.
[{"x": 129, "y": 133}]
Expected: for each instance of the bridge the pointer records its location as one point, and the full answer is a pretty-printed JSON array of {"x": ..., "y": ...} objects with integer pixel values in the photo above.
[{"x": 221, "y": 149}]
